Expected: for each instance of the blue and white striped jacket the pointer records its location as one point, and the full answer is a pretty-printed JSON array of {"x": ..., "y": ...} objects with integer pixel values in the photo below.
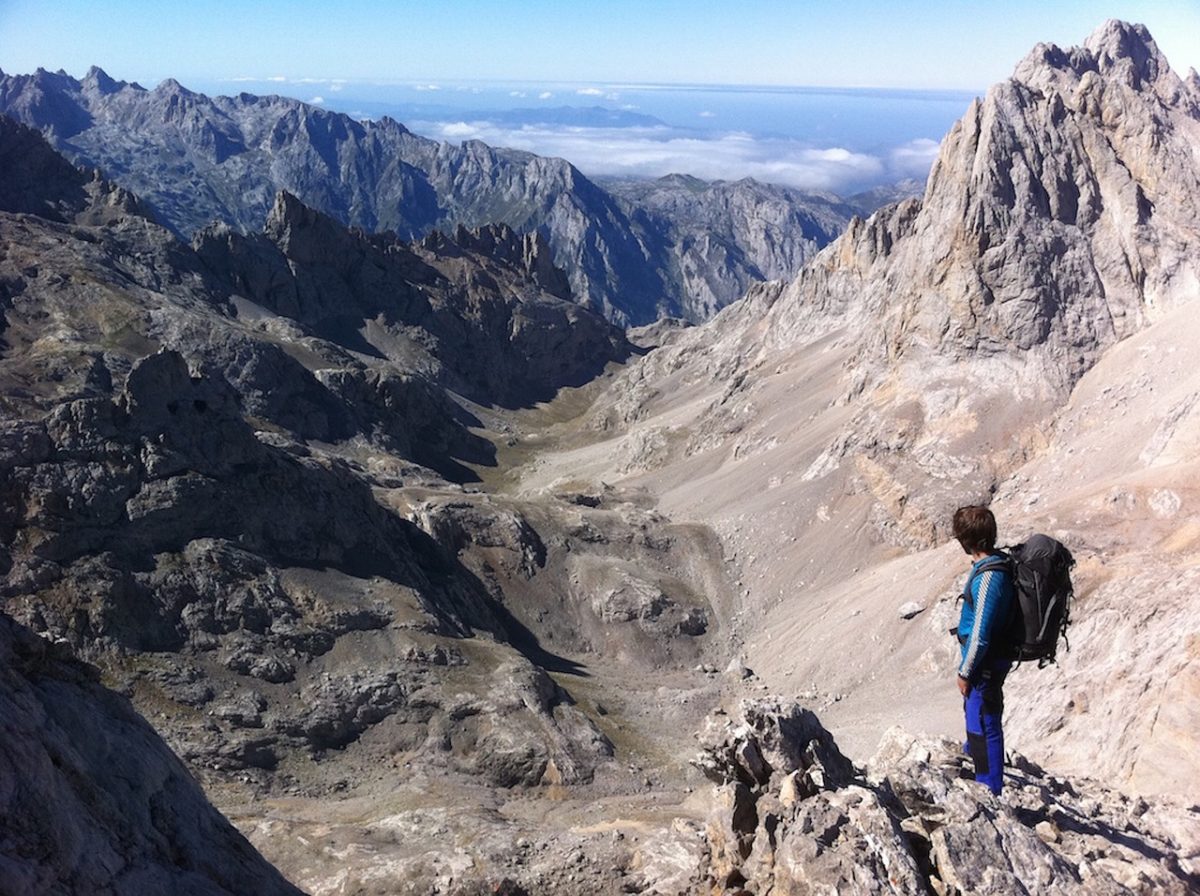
[{"x": 986, "y": 609}]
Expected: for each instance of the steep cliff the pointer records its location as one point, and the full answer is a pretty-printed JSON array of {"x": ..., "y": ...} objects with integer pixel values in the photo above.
[{"x": 791, "y": 814}]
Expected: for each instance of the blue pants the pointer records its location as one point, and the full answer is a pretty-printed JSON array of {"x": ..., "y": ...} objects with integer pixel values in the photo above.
[{"x": 984, "y": 711}]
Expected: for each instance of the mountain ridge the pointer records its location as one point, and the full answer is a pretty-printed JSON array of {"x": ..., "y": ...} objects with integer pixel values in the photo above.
[{"x": 197, "y": 159}]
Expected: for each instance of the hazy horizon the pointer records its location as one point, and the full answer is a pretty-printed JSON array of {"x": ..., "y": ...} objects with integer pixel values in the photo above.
[
  {"x": 836, "y": 100},
  {"x": 817, "y": 139}
]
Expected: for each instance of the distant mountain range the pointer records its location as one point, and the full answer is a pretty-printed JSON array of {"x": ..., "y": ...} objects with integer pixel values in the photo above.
[{"x": 633, "y": 254}]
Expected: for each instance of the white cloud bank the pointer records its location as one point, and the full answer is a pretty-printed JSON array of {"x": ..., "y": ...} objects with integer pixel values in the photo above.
[
  {"x": 914, "y": 159},
  {"x": 656, "y": 151}
]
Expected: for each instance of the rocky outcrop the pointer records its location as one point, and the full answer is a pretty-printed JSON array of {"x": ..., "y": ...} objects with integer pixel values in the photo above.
[
  {"x": 725, "y": 236},
  {"x": 92, "y": 798},
  {"x": 791, "y": 815},
  {"x": 529, "y": 252},
  {"x": 470, "y": 312},
  {"x": 197, "y": 159}
]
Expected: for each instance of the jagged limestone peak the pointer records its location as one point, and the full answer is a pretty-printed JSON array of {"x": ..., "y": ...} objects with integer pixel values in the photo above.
[
  {"x": 1116, "y": 50},
  {"x": 1116, "y": 41},
  {"x": 99, "y": 80},
  {"x": 172, "y": 87}
]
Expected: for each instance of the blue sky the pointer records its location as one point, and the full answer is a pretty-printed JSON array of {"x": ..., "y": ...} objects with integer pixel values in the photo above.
[{"x": 928, "y": 44}]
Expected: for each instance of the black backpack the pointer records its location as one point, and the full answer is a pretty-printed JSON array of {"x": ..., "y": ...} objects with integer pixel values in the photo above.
[{"x": 1042, "y": 592}]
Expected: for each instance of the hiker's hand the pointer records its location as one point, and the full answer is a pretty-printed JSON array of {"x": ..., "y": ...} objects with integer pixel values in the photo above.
[{"x": 963, "y": 686}]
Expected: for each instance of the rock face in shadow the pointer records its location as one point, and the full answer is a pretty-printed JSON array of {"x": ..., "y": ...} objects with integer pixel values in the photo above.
[
  {"x": 791, "y": 815},
  {"x": 484, "y": 311},
  {"x": 197, "y": 159},
  {"x": 180, "y": 464},
  {"x": 93, "y": 800},
  {"x": 205, "y": 494}
]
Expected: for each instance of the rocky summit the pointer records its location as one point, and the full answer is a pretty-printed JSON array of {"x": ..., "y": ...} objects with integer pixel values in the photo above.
[
  {"x": 435, "y": 581},
  {"x": 196, "y": 160}
]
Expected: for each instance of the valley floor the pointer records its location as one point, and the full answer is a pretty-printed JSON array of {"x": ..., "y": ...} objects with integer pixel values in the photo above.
[{"x": 372, "y": 824}]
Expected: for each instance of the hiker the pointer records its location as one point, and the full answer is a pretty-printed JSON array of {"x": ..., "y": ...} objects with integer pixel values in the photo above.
[{"x": 986, "y": 611}]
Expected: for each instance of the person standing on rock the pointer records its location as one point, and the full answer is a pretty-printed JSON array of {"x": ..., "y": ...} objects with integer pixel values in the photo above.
[{"x": 986, "y": 610}]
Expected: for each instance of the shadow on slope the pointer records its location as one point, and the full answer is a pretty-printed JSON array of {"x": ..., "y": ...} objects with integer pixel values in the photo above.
[{"x": 102, "y": 803}]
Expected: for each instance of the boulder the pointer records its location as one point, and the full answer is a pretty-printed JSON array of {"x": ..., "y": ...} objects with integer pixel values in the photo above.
[{"x": 791, "y": 815}]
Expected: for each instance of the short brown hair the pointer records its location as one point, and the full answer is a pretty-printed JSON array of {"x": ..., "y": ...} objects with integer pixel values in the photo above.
[{"x": 975, "y": 529}]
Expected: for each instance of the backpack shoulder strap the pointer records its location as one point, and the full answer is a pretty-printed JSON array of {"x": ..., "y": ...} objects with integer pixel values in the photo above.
[{"x": 1004, "y": 561}]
